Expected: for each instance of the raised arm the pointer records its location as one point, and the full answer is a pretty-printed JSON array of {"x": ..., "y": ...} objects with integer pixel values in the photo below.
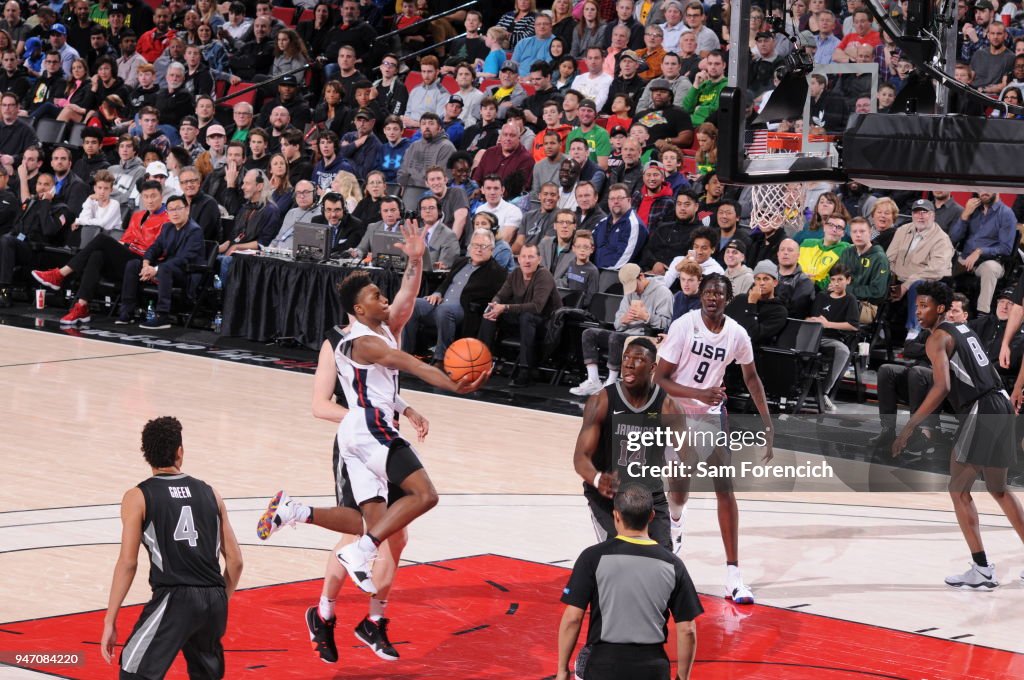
[
  {"x": 405, "y": 300},
  {"x": 133, "y": 510}
]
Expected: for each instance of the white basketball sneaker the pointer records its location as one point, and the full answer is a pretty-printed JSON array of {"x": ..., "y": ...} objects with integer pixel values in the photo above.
[
  {"x": 678, "y": 531},
  {"x": 735, "y": 589},
  {"x": 281, "y": 511},
  {"x": 587, "y": 388},
  {"x": 357, "y": 563},
  {"x": 975, "y": 578}
]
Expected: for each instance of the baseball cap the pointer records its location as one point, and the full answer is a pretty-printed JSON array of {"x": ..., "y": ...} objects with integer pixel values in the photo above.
[
  {"x": 657, "y": 166},
  {"x": 764, "y": 267},
  {"x": 984, "y": 4},
  {"x": 156, "y": 168},
  {"x": 288, "y": 81},
  {"x": 617, "y": 131},
  {"x": 366, "y": 114},
  {"x": 58, "y": 28},
  {"x": 510, "y": 65},
  {"x": 737, "y": 244},
  {"x": 660, "y": 84},
  {"x": 630, "y": 54},
  {"x": 189, "y": 120},
  {"x": 215, "y": 130},
  {"x": 923, "y": 204},
  {"x": 764, "y": 34},
  {"x": 588, "y": 104},
  {"x": 456, "y": 99},
  {"x": 628, "y": 276},
  {"x": 116, "y": 8},
  {"x": 1005, "y": 294}
]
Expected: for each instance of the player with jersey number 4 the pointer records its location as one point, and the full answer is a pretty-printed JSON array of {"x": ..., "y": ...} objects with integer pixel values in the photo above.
[{"x": 691, "y": 367}]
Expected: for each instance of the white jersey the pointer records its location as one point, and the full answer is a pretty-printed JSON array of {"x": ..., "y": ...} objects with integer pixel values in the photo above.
[
  {"x": 701, "y": 356},
  {"x": 371, "y": 390}
]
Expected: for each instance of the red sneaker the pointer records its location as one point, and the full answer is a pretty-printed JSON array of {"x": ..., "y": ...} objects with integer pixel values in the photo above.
[
  {"x": 51, "y": 278},
  {"x": 79, "y": 314}
]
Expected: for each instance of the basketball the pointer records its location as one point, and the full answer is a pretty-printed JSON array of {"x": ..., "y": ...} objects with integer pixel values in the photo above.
[{"x": 466, "y": 357}]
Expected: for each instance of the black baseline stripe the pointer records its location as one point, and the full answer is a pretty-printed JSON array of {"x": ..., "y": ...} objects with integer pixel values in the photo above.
[
  {"x": 471, "y": 630},
  {"x": 78, "y": 358},
  {"x": 926, "y": 630},
  {"x": 798, "y": 606},
  {"x": 961, "y": 637},
  {"x": 498, "y": 586},
  {"x": 512, "y": 609}
]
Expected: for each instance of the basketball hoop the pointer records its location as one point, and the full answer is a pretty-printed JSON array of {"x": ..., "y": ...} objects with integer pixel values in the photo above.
[{"x": 778, "y": 206}]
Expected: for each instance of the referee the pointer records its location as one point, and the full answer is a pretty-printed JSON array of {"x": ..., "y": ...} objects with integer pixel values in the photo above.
[{"x": 630, "y": 584}]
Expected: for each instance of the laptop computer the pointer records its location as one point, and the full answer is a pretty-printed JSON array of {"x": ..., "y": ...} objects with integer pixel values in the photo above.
[
  {"x": 383, "y": 245},
  {"x": 311, "y": 242}
]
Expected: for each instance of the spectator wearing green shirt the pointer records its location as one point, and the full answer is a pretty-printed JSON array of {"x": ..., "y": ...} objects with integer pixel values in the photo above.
[
  {"x": 595, "y": 136},
  {"x": 818, "y": 256},
  {"x": 701, "y": 101}
]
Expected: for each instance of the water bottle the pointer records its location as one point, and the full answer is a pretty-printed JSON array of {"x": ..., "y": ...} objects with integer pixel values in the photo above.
[
  {"x": 217, "y": 285},
  {"x": 218, "y": 322},
  {"x": 150, "y": 313}
]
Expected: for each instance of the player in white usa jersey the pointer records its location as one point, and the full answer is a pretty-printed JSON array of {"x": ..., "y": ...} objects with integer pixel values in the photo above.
[{"x": 691, "y": 366}]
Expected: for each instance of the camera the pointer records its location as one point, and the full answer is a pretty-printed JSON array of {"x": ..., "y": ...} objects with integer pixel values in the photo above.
[{"x": 412, "y": 215}]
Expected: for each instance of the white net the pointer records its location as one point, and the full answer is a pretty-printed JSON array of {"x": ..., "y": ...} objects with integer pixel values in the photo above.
[{"x": 778, "y": 206}]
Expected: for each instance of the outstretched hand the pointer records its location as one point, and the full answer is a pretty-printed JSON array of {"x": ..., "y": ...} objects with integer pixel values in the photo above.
[
  {"x": 465, "y": 386},
  {"x": 412, "y": 244}
]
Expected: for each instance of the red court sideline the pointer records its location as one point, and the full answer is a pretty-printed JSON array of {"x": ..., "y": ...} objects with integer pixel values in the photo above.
[{"x": 497, "y": 618}]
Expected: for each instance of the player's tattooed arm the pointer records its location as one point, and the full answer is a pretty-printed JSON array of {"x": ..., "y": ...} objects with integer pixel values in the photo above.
[{"x": 405, "y": 300}]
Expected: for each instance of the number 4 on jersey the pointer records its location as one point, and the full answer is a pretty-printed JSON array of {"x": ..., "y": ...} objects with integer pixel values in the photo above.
[{"x": 186, "y": 529}]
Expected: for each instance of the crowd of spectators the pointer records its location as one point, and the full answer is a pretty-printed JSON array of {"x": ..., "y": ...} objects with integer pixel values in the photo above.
[{"x": 539, "y": 148}]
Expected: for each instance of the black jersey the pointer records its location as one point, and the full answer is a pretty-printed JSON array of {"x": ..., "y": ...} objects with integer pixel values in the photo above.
[
  {"x": 181, "y": 531},
  {"x": 621, "y": 423},
  {"x": 971, "y": 373}
]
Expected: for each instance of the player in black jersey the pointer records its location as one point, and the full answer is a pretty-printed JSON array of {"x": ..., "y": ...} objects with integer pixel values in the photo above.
[
  {"x": 601, "y": 457},
  {"x": 986, "y": 443},
  {"x": 184, "y": 525}
]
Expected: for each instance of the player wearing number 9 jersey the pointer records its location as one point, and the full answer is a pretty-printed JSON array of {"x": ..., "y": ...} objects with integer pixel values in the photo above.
[
  {"x": 691, "y": 366},
  {"x": 184, "y": 525}
]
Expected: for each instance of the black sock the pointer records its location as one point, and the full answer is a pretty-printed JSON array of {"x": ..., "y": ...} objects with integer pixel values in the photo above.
[
  {"x": 732, "y": 564},
  {"x": 309, "y": 520},
  {"x": 376, "y": 541},
  {"x": 979, "y": 558}
]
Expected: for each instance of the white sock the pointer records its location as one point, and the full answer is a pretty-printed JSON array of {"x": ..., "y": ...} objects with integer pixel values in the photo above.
[
  {"x": 366, "y": 545},
  {"x": 302, "y": 512},
  {"x": 675, "y": 511},
  {"x": 377, "y": 608},
  {"x": 326, "y": 608},
  {"x": 612, "y": 376},
  {"x": 592, "y": 373},
  {"x": 732, "y": 572}
]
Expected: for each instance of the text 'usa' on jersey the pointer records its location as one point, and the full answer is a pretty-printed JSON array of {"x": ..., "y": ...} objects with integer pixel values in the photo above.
[{"x": 181, "y": 531}]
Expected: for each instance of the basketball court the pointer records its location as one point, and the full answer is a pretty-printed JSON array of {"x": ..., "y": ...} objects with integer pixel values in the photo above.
[{"x": 848, "y": 585}]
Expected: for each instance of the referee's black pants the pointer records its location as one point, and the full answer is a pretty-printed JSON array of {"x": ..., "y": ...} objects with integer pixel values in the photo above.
[
  {"x": 637, "y": 662},
  {"x": 101, "y": 257}
]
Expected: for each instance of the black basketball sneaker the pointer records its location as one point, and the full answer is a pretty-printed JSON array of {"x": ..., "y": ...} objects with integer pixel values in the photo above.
[
  {"x": 321, "y": 634},
  {"x": 375, "y": 636}
]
